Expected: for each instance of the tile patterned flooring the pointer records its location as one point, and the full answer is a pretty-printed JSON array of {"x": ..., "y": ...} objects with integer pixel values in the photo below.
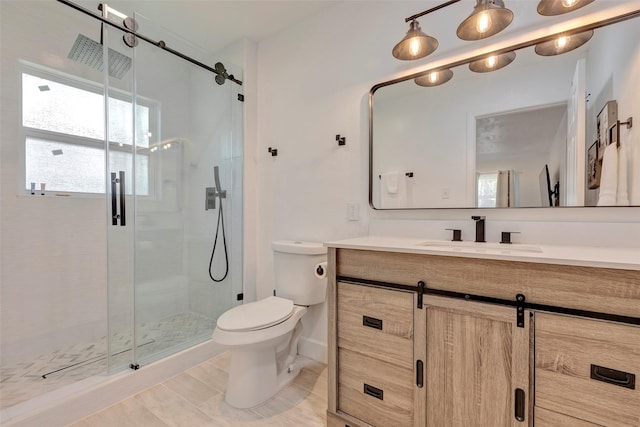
[
  {"x": 196, "y": 398},
  {"x": 22, "y": 381}
]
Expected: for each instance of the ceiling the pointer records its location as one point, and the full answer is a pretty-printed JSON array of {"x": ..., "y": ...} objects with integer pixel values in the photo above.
[
  {"x": 513, "y": 133},
  {"x": 214, "y": 24}
]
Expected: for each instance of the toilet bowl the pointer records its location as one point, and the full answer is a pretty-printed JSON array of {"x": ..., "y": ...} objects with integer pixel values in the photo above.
[{"x": 263, "y": 336}]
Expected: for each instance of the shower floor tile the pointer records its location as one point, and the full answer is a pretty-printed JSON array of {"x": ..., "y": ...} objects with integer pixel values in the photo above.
[{"x": 24, "y": 380}]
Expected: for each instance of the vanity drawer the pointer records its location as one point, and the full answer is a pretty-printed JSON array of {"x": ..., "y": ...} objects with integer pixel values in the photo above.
[
  {"x": 376, "y": 322},
  {"x": 545, "y": 418},
  {"x": 373, "y": 391},
  {"x": 588, "y": 369}
]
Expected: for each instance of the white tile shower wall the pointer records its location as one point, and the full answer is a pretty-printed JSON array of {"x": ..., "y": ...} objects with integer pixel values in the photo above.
[{"x": 313, "y": 83}]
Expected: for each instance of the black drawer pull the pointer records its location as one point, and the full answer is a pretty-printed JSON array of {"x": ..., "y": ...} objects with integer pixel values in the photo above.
[
  {"x": 611, "y": 376},
  {"x": 520, "y": 405},
  {"x": 373, "y": 391},
  {"x": 419, "y": 373},
  {"x": 372, "y": 322}
]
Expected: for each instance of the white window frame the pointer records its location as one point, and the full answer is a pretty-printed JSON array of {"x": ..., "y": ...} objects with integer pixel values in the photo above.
[{"x": 90, "y": 86}]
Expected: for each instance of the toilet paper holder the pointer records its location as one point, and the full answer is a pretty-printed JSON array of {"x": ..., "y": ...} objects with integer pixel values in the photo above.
[{"x": 321, "y": 270}]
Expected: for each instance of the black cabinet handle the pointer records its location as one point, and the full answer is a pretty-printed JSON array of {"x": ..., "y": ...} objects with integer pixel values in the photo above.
[
  {"x": 419, "y": 373},
  {"x": 372, "y": 322},
  {"x": 373, "y": 391},
  {"x": 519, "y": 405},
  {"x": 612, "y": 376}
]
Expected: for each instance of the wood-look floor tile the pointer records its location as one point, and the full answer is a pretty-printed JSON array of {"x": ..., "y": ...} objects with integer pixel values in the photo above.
[
  {"x": 221, "y": 361},
  {"x": 196, "y": 398},
  {"x": 191, "y": 388},
  {"x": 129, "y": 412},
  {"x": 225, "y": 415},
  {"x": 210, "y": 374},
  {"x": 172, "y": 408}
]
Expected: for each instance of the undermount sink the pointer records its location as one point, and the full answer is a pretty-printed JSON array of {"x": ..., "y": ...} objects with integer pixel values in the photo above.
[{"x": 480, "y": 247}]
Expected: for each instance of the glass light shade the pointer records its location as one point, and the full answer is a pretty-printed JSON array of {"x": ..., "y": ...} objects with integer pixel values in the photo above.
[
  {"x": 563, "y": 44},
  {"x": 434, "y": 78},
  {"x": 558, "y": 7},
  {"x": 492, "y": 63},
  {"x": 415, "y": 44},
  {"x": 489, "y": 17}
]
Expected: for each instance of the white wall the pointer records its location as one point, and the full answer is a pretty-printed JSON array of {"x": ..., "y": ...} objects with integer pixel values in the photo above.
[{"x": 313, "y": 83}]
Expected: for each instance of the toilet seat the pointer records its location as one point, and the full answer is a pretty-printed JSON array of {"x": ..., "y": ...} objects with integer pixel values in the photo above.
[{"x": 256, "y": 315}]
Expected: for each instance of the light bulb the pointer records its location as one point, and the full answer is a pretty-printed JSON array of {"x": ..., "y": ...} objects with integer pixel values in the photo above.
[
  {"x": 433, "y": 77},
  {"x": 561, "y": 42},
  {"x": 491, "y": 61},
  {"x": 414, "y": 46},
  {"x": 569, "y": 3},
  {"x": 484, "y": 22}
]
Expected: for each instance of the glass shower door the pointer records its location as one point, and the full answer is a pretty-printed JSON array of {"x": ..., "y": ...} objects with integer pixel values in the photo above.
[
  {"x": 189, "y": 121},
  {"x": 121, "y": 165}
]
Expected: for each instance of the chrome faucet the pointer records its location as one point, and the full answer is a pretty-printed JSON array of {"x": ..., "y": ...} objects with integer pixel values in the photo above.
[{"x": 479, "y": 228}]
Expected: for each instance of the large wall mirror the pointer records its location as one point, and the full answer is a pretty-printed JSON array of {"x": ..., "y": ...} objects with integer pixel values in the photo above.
[{"x": 531, "y": 134}]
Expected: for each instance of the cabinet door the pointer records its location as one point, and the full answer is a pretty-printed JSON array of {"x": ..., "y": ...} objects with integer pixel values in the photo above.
[{"x": 477, "y": 364}]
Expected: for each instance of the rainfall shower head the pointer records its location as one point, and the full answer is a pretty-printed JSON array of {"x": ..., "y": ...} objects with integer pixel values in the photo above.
[{"x": 89, "y": 52}]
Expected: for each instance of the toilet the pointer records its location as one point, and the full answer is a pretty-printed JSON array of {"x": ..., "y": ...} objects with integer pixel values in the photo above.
[{"x": 262, "y": 336}]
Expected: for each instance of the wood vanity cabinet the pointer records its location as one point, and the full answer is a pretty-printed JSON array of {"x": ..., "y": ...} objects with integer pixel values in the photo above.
[{"x": 465, "y": 350}]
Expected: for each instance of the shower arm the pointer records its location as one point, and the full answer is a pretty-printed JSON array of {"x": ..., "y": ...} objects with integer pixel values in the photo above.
[{"x": 161, "y": 44}]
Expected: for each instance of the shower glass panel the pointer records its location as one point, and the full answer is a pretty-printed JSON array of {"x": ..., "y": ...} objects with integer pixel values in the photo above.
[
  {"x": 187, "y": 133},
  {"x": 121, "y": 119},
  {"x": 53, "y": 273}
]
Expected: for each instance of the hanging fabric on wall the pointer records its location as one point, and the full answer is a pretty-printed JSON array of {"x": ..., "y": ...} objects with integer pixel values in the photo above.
[{"x": 613, "y": 179}]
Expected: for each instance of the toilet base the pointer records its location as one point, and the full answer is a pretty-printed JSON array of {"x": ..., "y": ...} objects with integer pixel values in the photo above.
[{"x": 250, "y": 387}]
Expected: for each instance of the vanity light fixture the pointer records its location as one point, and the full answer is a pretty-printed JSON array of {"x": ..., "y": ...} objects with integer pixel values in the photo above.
[
  {"x": 416, "y": 44},
  {"x": 492, "y": 62},
  {"x": 563, "y": 43},
  {"x": 558, "y": 7},
  {"x": 489, "y": 17},
  {"x": 434, "y": 78}
]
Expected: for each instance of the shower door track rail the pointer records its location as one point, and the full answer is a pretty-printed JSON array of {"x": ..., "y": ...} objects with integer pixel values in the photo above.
[
  {"x": 161, "y": 44},
  {"x": 92, "y": 360}
]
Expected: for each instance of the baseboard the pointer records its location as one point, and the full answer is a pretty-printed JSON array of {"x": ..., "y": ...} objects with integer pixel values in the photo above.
[{"x": 313, "y": 349}]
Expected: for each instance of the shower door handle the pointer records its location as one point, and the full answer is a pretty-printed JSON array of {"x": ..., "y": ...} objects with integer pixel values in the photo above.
[
  {"x": 117, "y": 179},
  {"x": 123, "y": 215}
]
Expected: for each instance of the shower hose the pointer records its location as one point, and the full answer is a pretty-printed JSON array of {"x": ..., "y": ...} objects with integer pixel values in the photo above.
[{"x": 224, "y": 243}]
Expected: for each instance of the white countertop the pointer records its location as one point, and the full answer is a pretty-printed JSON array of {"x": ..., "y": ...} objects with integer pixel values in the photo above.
[{"x": 586, "y": 256}]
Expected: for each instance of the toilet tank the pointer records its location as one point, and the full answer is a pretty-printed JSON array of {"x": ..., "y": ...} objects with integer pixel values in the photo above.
[{"x": 294, "y": 266}]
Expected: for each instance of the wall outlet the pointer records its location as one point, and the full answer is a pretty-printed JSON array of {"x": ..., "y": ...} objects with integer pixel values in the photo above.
[
  {"x": 444, "y": 193},
  {"x": 353, "y": 211}
]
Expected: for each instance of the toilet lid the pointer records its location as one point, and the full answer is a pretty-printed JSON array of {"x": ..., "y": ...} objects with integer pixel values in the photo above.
[{"x": 256, "y": 315}]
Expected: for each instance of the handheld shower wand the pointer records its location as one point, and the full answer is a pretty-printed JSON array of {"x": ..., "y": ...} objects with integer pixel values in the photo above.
[{"x": 212, "y": 194}]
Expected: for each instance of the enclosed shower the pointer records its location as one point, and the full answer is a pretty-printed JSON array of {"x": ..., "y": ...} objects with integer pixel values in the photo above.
[{"x": 109, "y": 138}]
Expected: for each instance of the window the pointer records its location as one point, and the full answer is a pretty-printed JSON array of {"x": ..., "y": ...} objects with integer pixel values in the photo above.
[
  {"x": 487, "y": 189},
  {"x": 63, "y": 124}
]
